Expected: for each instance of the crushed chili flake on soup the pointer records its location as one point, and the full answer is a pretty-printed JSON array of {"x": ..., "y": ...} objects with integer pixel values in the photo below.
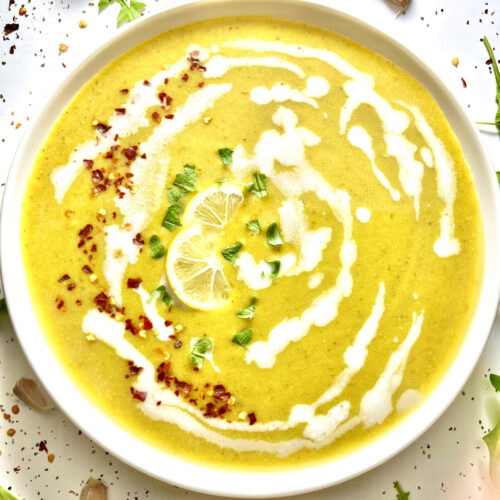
[{"x": 274, "y": 243}]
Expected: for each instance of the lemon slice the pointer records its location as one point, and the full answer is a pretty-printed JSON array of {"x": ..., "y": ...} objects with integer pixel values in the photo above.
[
  {"x": 195, "y": 272},
  {"x": 214, "y": 207}
]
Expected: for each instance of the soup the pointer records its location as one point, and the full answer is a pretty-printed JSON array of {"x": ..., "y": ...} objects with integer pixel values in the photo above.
[{"x": 253, "y": 243}]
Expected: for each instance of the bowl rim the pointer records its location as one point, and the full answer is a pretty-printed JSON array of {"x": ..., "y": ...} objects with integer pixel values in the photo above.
[{"x": 179, "y": 471}]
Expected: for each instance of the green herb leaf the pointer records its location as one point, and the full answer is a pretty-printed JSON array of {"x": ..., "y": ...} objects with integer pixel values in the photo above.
[
  {"x": 5, "y": 495},
  {"x": 173, "y": 195},
  {"x": 495, "y": 381},
  {"x": 198, "y": 352},
  {"x": 254, "y": 226},
  {"x": 104, "y": 3},
  {"x": 230, "y": 253},
  {"x": 226, "y": 155},
  {"x": 171, "y": 220},
  {"x": 243, "y": 338},
  {"x": 3, "y": 305},
  {"x": 157, "y": 248},
  {"x": 273, "y": 235},
  {"x": 402, "y": 495},
  {"x": 496, "y": 71},
  {"x": 258, "y": 186},
  {"x": 161, "y": 294},
  {"x": 248, "y": 312},
  {"x": 128, "y": 11},
  {"x": 188, "y": 180},
  {"x": 274, "y": 268}
]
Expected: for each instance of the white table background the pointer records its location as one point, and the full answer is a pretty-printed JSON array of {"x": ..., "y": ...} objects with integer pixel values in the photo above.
[{"x": 449, "y": 461}]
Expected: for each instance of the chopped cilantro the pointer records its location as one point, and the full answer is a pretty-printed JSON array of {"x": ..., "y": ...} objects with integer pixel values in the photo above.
[
  {"x": 230, "y": 253},
  {"x": 186, "y": 181},
  {"x": 248, "y": 312},
  {"x": 274, "y": 268},
  {"x": 273, "y": 235},
  {"x": 495, "y": 381},
  {"x": 243, "y": 338},
  {"x": 171, "y": 220},
  {"x": 128, "y": 11},
  {"x": 402, "y": 494},
  {"x": 226, "y": 155},
  {"x": 174, "y": 195},
  {"x": 199, "y": 350},
  {"x": 157, "y": 248},
  {"x": 254, "y": 226},
  {"x": 5, "y": 495},
  {"x": 161, "y": 294},
  {"x": 258, "y": 186}
]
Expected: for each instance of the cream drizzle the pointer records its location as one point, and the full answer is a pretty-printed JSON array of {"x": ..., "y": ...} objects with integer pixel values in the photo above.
[{"x": 162, "y": 332}]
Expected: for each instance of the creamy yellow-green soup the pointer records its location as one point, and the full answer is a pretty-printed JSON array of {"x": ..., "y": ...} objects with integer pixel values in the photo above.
[{"x": 254, "y": 243}]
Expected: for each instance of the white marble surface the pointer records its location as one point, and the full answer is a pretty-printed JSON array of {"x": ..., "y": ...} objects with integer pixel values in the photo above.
[{"x": 449, "y": 461}]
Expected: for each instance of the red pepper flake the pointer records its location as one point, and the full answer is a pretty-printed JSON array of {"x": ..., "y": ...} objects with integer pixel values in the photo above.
[
  {"x": 140, "y": 395},
  {"x": 60, "y": 304},
  {"x": 85, "y": 231},
  {"x": 210, "y": 411},
  {"x": 42, "y": 446},
  {"x": 183, "y": 386},
  {"x": 102, "y": 127},
  {"x": 88, "y": 163},
  {"x": 134, "y": 282},
  {"x": 202, "y": 68},
  {"x": 12, "y": 49},
  {"x": 130, "y": 327},
  {"x": 146, "y": 82},
  {"x": 138, "y": 240},
  {"x": 162, "y": 372},
  {"x": 185, "y": 77},
  {"x": 162, "y": 97},
  {"x": 16, "y": 469},
  {"x": 86, "y": 269},
  {"x": 120, "y": 111},
  {"x": 78, "y": 302},
  {"x": 220, "y": 393},
  {"x": 134, "y": 370},
  {"x": 201, "y": 84},
  {"x": 146, "y": 324},
  {"x": 130, "y": 153},
  {"x": 464, "y": 83},
  {"x": 167, "y": 323},
  {"x": 252, "y": 418},
  {"x": 101, "y": 301},
  {"x": 177, "y": 344},
  {"x": 156, "y": 117},
  {"x": 10, "y": 28},
  {"x": 97, "y": 176},
  {"x": 71, "y": 286},
  {"x": 169, "y": 117},
  {"x": 99, "y": 189},
  {"x": 124, "y": 91},
  {"x": 64, "y": 277},
  {"x": 165, "y": 81},
  {"x": 94, "y": 247}
]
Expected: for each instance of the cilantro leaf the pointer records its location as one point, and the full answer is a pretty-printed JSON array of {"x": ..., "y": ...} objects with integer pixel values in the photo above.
[
  {"x": 128, "y": 10},
  {"x": 274, "y": 268},
  {"x": 198, "y": 352},
  {"x": 495, "y": 381},
  {"x": 402, "y": 495},
  {"x": 5, "y": 495},
  {"x": 161, "y": 294},
  {"x": 173, "y": 195},
  {"x": 248, "y": 312},
  {"x": 157, "y": 248},
  {"x": 230, "y": 253},
  {"x": 226, "y": 155},
  {"x": 258, "y": 186},
  {"x": 254, "y": 226},
  {"x": 171, "y": 220},
  {"x": 273, "y": 235},
  {"x": 243, "y": 338},
  {"x": 187, "y": 181},
  {"x": 496, "y": 71}
]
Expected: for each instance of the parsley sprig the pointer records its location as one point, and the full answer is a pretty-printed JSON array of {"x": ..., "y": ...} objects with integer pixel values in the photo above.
[
  {"x": 129, "y": 10},
  {"x": 402, "y": 494},
  {"x": 243, "y": 338},
  {"x": 198, "y": 352},
  {"x": 230, "y": 253}
]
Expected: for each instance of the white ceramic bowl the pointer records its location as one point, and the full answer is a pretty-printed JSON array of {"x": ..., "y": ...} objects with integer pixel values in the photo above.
[{"x": 99, "y": 426}]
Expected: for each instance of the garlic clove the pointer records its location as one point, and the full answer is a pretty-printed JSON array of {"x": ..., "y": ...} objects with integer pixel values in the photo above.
[
  {"x": 29, "y": 392},
  {"x": 93, "y": 490}
]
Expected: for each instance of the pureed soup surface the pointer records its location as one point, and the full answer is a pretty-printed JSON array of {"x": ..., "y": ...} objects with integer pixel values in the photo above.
[{"x": 253, "y": 243}]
